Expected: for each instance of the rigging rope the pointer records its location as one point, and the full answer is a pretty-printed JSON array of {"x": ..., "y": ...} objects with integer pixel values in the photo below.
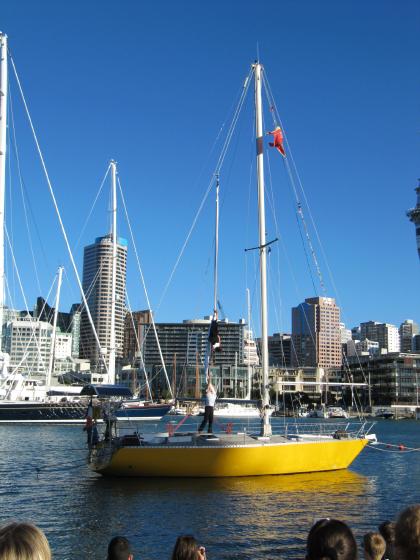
[
  {"x": 21, "y": 184},
  {"x": 209, "y": 187},
  {"x": 299, "y": 210},
  {"x": 63, "y": 230},
  {"x": 144, "y": 286}
]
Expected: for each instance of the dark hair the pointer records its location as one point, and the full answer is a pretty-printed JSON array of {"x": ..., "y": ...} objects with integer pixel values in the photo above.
[
  {"x": 387, "y": 530},
  {"x": 374, "y": 545},
  {"x": 407, "y": 533},
  {"x": 119, "y": 549},
  {"x": 186, "y": 548},
  {"x": 331, "y": 539}
]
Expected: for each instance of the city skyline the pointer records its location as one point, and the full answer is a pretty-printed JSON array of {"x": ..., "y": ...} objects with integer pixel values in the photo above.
[{"x": 359, "y": 178}]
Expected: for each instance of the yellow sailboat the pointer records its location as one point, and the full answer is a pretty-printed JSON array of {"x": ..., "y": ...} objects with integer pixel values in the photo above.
[{"x": 295, "y": 450}]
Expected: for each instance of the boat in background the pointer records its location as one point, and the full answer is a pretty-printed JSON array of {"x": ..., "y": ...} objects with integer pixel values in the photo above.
[
  {"x": 336, "y": 412},
  {"x": 135, "y": 409}
]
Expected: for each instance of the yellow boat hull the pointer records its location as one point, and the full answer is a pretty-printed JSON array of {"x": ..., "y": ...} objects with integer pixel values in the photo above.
[{"x": 223, "y": 461}]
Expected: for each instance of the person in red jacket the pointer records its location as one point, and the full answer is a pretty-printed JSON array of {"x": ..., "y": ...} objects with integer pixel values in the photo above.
[{"x": 277, "y": 140}]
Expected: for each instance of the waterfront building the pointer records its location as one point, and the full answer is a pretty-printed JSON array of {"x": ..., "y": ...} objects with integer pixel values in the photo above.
[
  {"x": 407, "y": 331},
  {"x": 414, "y": 216},
  {"x": 316, "y": 333},
  {"x": 97, "y": 286},
  {"x": 66, "y": 322},
  {"x": 186, "y": 343},
  {"x": 136, "y": 325},
  {"x": 386, "y": 334},
  {"x": 29, "y": 347},
  {"x": 392, "y": 378}
]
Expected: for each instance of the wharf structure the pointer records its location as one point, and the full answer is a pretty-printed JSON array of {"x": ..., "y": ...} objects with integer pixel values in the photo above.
[{"x": 414, "y": 216}]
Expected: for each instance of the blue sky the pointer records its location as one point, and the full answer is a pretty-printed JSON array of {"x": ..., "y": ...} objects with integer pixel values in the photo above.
[{"x": 151, "y": 84}]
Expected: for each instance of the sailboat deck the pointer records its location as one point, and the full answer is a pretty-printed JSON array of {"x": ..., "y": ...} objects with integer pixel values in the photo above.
[{"x": 239, "y": 438}]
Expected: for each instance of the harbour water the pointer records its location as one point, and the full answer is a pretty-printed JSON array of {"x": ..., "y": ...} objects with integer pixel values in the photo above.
[{"x": 45, "y": 479}]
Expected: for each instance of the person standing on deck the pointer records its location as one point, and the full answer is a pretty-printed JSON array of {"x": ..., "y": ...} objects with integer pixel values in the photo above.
[{"x": 210, "y": 400}]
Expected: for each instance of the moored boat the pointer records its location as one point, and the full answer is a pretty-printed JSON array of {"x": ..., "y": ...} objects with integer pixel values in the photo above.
[{"x": 239, "y": 453}]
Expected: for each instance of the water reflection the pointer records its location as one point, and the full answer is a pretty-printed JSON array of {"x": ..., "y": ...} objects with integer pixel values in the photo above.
[
  {"x": 236, "y": 517},
  {"x": 344, "y": 481}
]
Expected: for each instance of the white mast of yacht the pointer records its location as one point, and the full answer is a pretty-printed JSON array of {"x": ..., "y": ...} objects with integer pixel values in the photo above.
[
  {"x": 216, "y": 249},
  {"x": 266, "y": 426},
  {"x": 248, "y": 392},
  {"x": 54, "y": 331},
  {"x": 3, "y": 132},
  {"x": 111, "y": 366}
]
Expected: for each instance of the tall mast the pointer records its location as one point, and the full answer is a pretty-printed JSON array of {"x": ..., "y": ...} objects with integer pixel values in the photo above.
[
  {"x": 3, "y": 125},
  {"x": 111, "y": 366},
  {"x": 248, "y": 392},
  {"x": 54, "y": 332},
  {"x": 216, "y": 246},
  {"x": 266, "y": 427}
]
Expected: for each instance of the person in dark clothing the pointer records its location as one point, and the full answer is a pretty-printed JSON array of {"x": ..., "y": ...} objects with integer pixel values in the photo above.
[
  {"x": 214, "y": 337},
  {"x": 119, "y": 549},
  {"x": 210, "y": 399}
]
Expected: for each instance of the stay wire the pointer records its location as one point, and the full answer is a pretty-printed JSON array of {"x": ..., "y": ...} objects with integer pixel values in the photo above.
[
  {"x": 218, "y": 168},
  {"x": 22, "y": 191},
  {"x": 144, "y": 284}
]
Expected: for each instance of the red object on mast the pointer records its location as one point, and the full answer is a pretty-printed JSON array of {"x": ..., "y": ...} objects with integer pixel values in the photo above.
[{"x": 278, "y": 140}]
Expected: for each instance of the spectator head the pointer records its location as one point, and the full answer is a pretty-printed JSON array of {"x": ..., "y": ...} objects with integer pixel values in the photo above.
[
  {"x": 407, "y": 533},
  {"x": 374, "y": 546},
  {"x": 23, "y": 541},
  {"x": 119, "y": 549},
  {"x": 330, "y": 539},
  {"x": 387, "y": 530},
  {"x": 186, "y": 548}
]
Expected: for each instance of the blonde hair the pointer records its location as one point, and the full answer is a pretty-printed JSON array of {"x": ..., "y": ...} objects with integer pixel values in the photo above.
[
  {"x": 374, "y": 545},
  {"x": 23, "y": 541}
]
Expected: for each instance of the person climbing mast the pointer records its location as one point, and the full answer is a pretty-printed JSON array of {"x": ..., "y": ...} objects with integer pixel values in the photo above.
[
  {"x": 277, "y": 140},
  {"x": 214, "y": 337}
]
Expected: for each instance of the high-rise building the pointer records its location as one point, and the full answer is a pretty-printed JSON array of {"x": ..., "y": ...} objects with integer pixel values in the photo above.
[
  {"x": 279, "y": 350},
  {"x": 414, "y": 216},
  {"x": 136, "y": 325},
  {"x": 97, "y": 286},
  {"x": 316, "y": 333},
  {"x": 75, "y": 319},
  {"x": 386, "y": 334},
  {"x": 251, "y": 357},
  {"x": 362, "y": 347},
  {"x": 345, "y": 334},
  {"x": 407, "y": 331}
]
